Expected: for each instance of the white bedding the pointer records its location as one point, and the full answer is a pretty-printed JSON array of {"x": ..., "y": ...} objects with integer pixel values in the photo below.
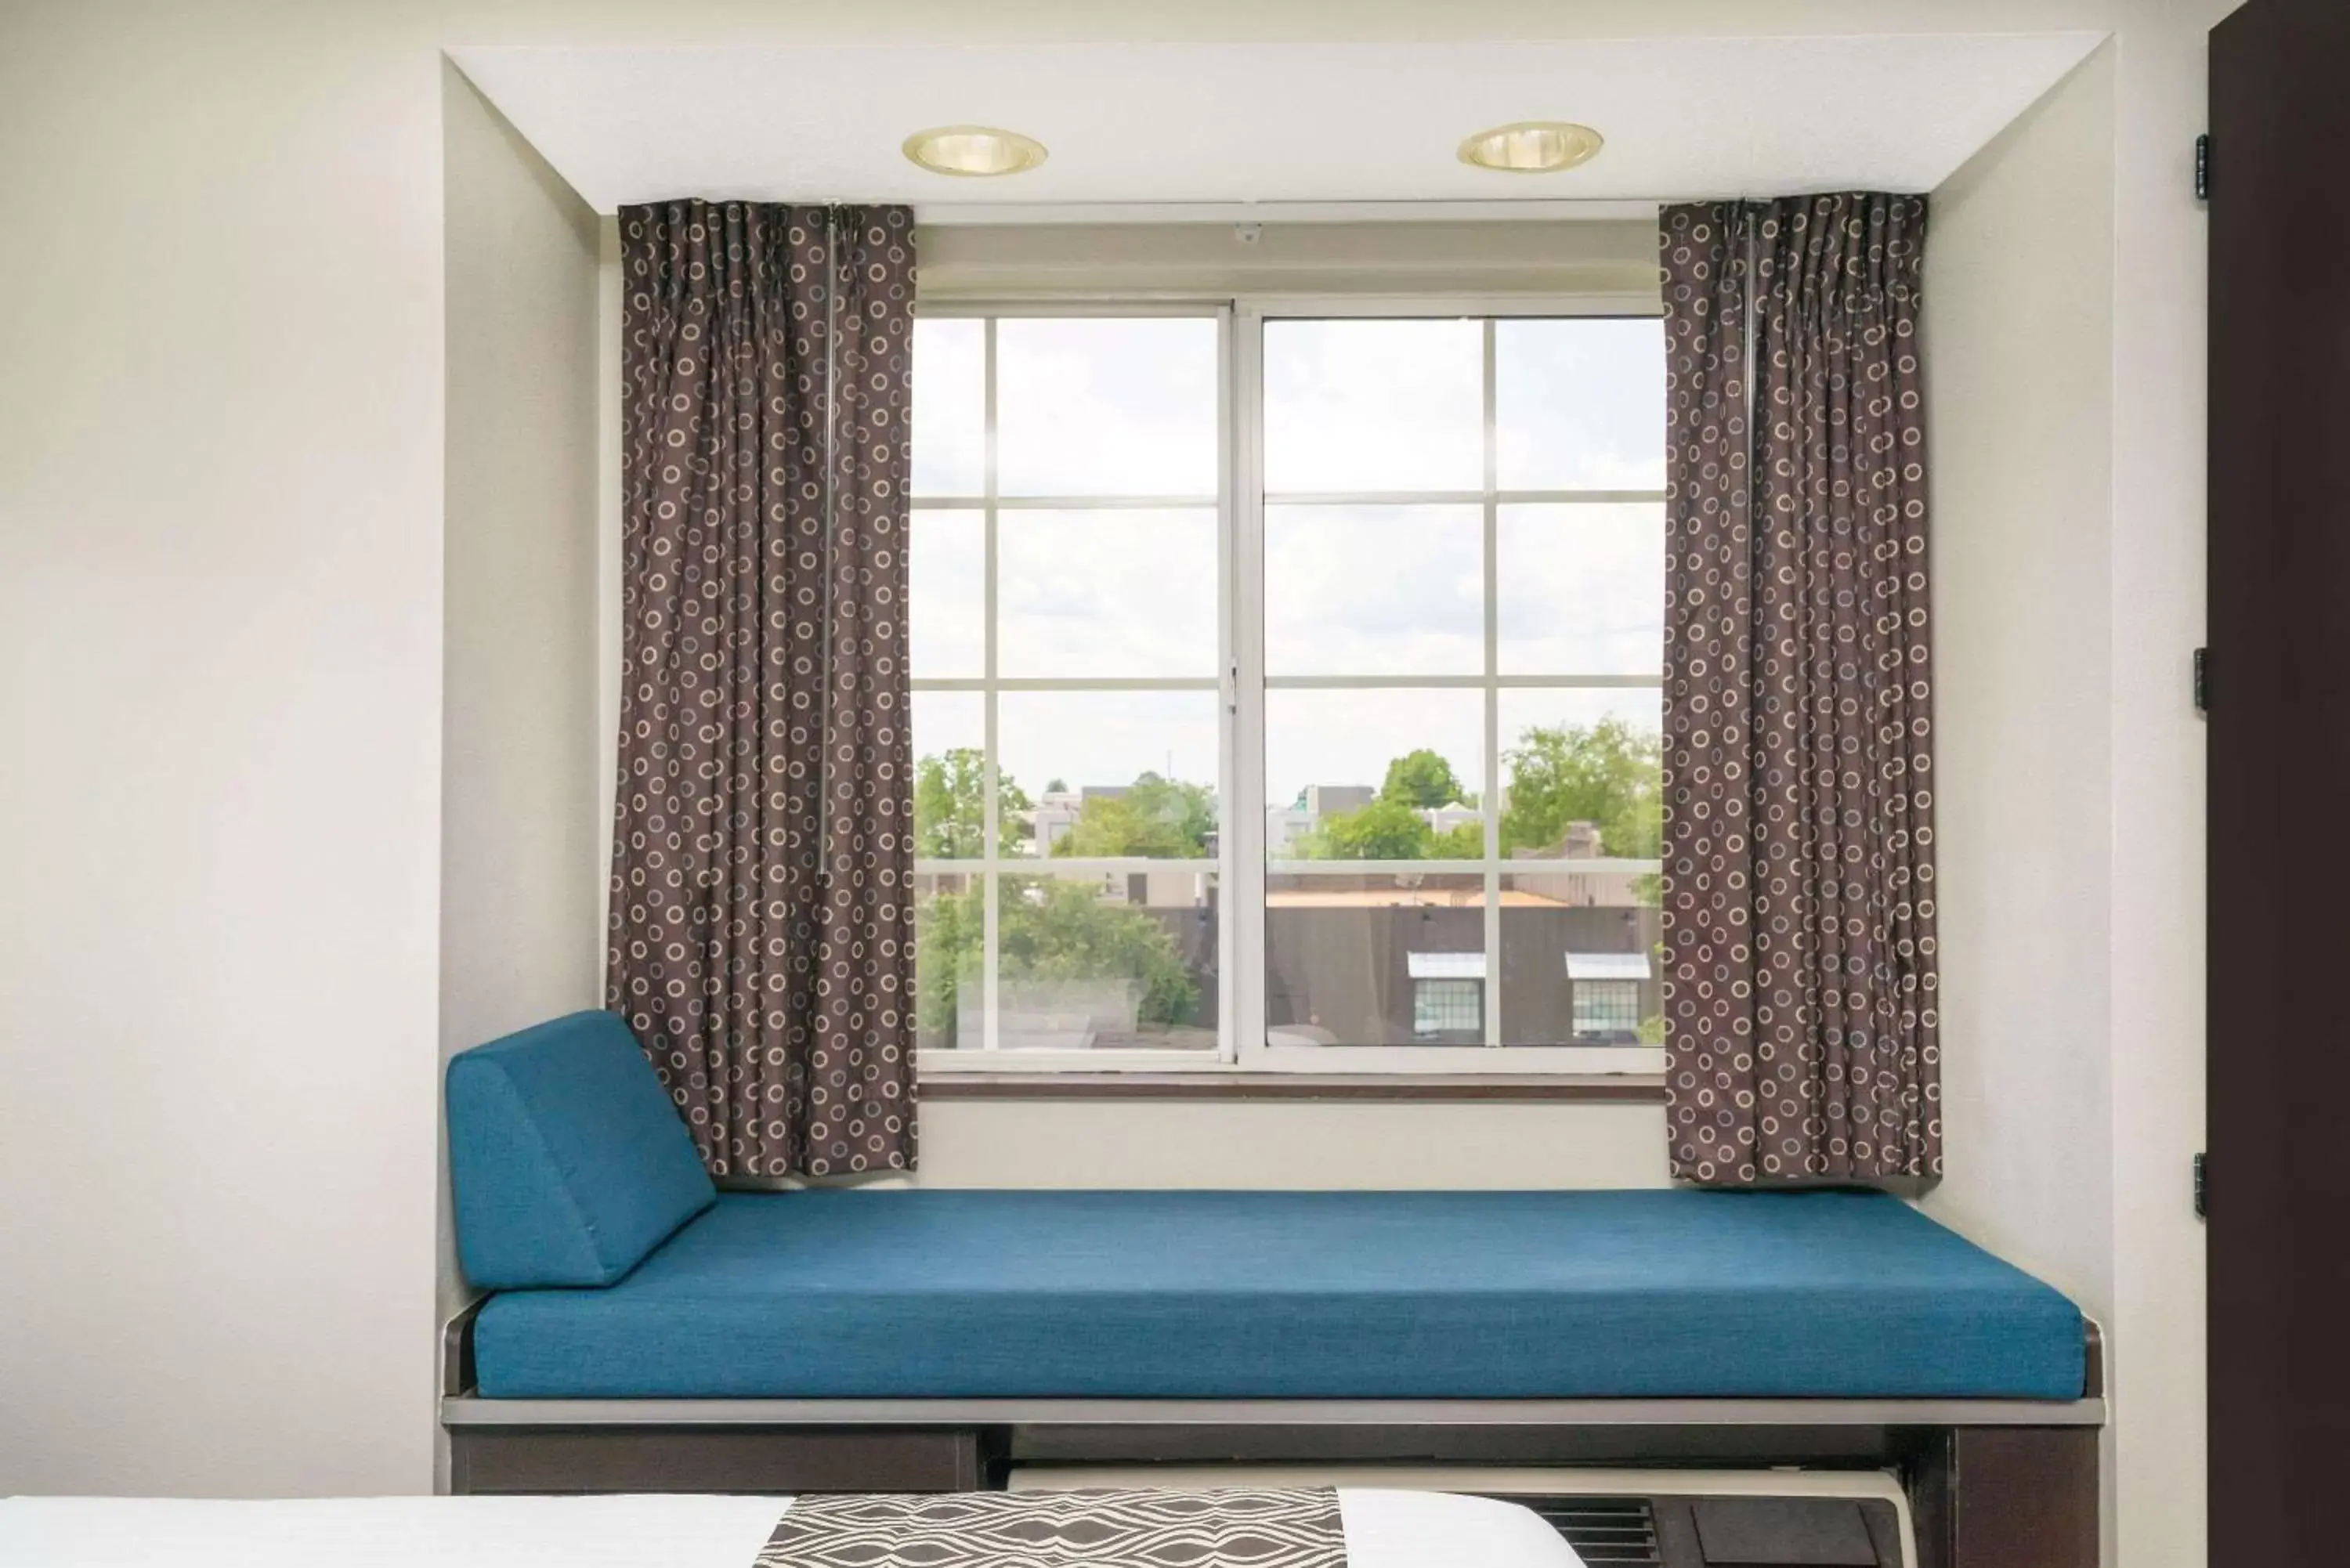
[{"x": 1384, "y": 1530}]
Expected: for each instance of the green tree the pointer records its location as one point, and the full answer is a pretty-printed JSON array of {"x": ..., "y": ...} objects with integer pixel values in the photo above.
[
  {"x": 950, "y": 940},
  {"x": 1166, "y": 819},
  {"x": 1052, "y": 929},
  {"x": 1462, "y": 841},
  {"x": 1383, "y": 830},
  {"x": 1608, "y": 774},
  {"x": 951, "y": 808},
  {"x": 1421, "y": 779},
  {"x": 1049, "y": 930}
]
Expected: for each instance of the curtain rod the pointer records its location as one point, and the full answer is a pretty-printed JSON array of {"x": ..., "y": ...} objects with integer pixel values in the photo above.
[{"x": 959, "y": 214}]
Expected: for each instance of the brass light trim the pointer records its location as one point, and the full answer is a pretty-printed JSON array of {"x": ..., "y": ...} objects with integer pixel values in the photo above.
[
  {"x": 974, "y": 151},
  {"x": 1533, "y": 147}
]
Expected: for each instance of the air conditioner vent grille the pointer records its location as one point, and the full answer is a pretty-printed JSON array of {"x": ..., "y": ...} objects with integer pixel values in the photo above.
[{"x": 1606, "y": 1532}]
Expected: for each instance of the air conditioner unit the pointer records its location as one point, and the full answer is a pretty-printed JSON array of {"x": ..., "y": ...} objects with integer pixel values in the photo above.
[{"x": 1612, "y": 1519}]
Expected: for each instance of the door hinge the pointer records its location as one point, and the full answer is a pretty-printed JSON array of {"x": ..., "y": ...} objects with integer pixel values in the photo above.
[
  {"x": 2203, "y": 167},
  {"x": 2201, "y": 1186},
  {"x": 2202, "y": 680}
]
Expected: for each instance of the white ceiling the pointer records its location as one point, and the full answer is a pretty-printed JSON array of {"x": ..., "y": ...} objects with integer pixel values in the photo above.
[{"x": 1222, "y": 123}]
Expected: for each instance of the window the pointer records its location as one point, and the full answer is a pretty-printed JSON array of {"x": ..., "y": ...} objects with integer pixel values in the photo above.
[
  {"x": 1606, "y": 1010},
  {"x": 1448, "y": 1009},
  {"x": 1608, "y": 987},
  {"x": 1287, "y": 689}
]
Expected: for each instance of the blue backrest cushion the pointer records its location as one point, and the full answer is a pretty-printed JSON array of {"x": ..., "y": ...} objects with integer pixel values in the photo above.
[{"x": 566, "y": 1161}]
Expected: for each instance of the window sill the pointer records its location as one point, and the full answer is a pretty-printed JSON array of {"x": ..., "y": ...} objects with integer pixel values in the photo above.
[{"x": 1616, "y": 1088}]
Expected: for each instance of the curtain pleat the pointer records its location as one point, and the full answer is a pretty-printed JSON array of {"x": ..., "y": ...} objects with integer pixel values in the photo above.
[
  {"x": 762, "y": 928},
  {"x": 1802, "y": 1020}
]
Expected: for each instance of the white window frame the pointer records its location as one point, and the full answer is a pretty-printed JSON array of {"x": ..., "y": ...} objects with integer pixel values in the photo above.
[{"x": 1240, "y": 867}]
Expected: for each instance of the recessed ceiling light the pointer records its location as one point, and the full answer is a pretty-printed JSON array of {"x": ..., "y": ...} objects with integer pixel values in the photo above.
[
  {"x": 973, "y": 151},
  {"x": 1533, "y": 147}
]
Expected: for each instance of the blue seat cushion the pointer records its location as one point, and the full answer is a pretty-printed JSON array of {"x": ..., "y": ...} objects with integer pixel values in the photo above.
[
  {"x": 938, "y": 1293},
  {"x": 568, "y": 1163}
]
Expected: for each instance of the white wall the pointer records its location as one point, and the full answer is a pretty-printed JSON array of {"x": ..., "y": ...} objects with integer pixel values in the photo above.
[
  {"x": 1599, "y": 259},
  {"x": 521, "y": 791},
  {"x": 219, "y": 685},
  {"x": 1286, "y": 1144},
  {"x": 2019, "y": 345},
  {"x": 221, "y": 632}
]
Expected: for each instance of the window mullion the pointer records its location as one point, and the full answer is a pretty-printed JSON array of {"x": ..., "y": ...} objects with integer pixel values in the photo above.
[
  {"x": 992, "y": 812},
  {"x": 1492, "y": 797},
  {"x": 1229, "y": 792},
  {"x": 1245, "y": 851}
]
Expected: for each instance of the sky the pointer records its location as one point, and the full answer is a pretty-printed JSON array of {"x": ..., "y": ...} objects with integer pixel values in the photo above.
[{"x": 1095, "y": 407}]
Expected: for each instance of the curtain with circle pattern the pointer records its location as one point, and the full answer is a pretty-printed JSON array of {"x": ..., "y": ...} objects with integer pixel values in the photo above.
[
  {"x": 761, "y": 939},
  {"x": 1802, "y": 1018}
]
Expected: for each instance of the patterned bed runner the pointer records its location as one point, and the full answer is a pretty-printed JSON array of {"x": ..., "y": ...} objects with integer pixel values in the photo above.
[{"x": 1107, "y": 1529}]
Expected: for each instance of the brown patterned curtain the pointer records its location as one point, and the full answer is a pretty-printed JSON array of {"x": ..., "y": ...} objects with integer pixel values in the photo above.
[
  {"x": 762, "y": 928},
  {"x": 1799, "y": 915}
]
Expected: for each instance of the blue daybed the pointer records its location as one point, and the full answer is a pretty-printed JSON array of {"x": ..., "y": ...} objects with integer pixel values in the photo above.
[
  {"x": 617, "y": 1272},
  {"x": 644, "y": 1332}
]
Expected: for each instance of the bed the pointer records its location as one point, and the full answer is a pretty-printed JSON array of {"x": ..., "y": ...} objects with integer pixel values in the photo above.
[
  {"x": 642, "y": 1330},
  {"x": 1375, "y": 1528}
]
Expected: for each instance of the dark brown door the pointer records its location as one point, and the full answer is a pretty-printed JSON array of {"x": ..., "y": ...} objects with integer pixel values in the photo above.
[{"x": 2279, "y": 989}]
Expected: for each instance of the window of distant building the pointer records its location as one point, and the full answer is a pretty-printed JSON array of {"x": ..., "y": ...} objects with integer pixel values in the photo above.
[
  {"x": 1606, "y": 1010},
  {"x": 1286, "y": 687},
  {"x": 1607, "y": 996},
  {"x": 1446, "y": 1008}
]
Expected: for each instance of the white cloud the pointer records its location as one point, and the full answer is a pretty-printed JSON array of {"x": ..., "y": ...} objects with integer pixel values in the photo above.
[
  {"x": 1349, "y": 737},
  {"x": 1106, "y": 737},
  {"x": 1374, "y": 591},
  {"x": 1105, "y": 406},
  {"x": 1107, "y": 594},
  {"x": 950, "y": 452},
  {"x": 1373, "y": 405},
  {"x": 1579, "y": 404},
  {"x": 1581, "y": 589}
]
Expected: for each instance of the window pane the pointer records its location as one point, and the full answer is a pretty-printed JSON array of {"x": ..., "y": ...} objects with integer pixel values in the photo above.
[
  {"x": 949, "y": 800},
  {"x": 1581, "y": 589},
  {"x": 1374, "y": 591},
  {"x": 1106, "y": 594},
  {"x": 950, "y": 945},
  {"x": 1107, "y": 962},
  {"x": 1110, "y": 774},
  {"x": 950, "y": 452},
  {"x": 1581, "y": 774},
  {"x": 1581, "y": 959},
  {"x": 1579, "y": 404},
  {"x": 1374, "y": 405},
  {"x": 1105, "y": 407},
  {"x": 1374, "y": 960},
  {"x": 1330, "y": 757},
  {"x": 947, "y": 584}
]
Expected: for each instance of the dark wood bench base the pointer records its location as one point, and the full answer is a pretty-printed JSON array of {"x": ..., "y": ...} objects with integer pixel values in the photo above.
[
  {"x": 579, "y": 1459},
  {"x": 1981, "y": 1497}
]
